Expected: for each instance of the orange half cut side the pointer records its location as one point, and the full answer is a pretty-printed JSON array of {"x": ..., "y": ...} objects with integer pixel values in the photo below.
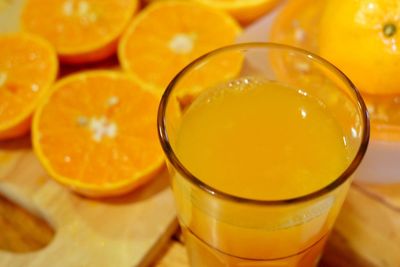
[
  {"x": 81, "y": 30},
  {"x": 28, "y": 67},
  {"x": 96, "y": 133},
  {"x": 168, "y": 35}
]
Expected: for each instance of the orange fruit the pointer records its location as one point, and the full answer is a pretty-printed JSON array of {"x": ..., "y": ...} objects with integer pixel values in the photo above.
[
  {"x": 167, "y": 35},
  {"x": 385, "y": 116},
  {"x": 362, "y": 37},
  {"x": 80, "y": 30},
  {"x": 96, "y": 133},
  {"x": 28, "y": 66},
  {"x": 245, "y": 11},
  {"x": 295, "y": 24}
]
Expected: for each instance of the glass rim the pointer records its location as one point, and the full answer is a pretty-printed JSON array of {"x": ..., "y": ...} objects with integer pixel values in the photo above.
[{"x": 173, "y": 159}]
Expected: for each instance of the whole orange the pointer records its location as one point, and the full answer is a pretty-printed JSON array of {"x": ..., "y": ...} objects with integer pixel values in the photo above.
[{"x": 362, "y": 37}]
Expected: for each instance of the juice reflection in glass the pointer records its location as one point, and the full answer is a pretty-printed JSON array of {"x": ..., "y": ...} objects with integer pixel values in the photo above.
[{"x": 261, "y": 159}]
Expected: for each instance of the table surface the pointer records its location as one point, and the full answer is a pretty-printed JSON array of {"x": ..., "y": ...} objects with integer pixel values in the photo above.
[{"x": 354, "y": 241}]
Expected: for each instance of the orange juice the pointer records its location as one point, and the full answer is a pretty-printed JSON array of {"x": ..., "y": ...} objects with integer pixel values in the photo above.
[
  {"x": 258, "y": 140},
  {"x": 261, "y": 141}
]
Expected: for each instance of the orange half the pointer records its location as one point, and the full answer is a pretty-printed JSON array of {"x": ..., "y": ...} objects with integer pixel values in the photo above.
[
  {"x": 168, "y": 35},
  {"x": 245, "y": 11},
  {"x": 28, "y": 67},
  {"x": 96, "y": 133},
  {"x": 81, "y": 30}
]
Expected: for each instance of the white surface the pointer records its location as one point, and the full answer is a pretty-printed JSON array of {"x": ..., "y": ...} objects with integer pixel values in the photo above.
[{"x": 381, "y": 163}]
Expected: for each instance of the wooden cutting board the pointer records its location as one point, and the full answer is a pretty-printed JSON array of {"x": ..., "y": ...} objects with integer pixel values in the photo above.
[{"x": 124, "y": 232}]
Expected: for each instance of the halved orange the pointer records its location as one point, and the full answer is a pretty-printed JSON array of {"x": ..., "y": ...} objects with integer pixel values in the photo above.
[
  {"x": 295, "y": 24},
  {"x": 96, "y": 133},
  {"x": 81, "y": 30},
  {"x": 28, "y": 66},
  {"x": 245, "y": 11},
  {"x": 167, "y": 35}
]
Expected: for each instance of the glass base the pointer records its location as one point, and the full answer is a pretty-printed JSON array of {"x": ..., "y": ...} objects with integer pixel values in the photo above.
[{"x": 203, "y": 255}]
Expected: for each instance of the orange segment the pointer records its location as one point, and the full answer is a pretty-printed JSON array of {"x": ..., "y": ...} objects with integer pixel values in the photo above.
[
  {"x": 168, "y": 35},
  {"x": 28, "y": 66},
  {"x": 96, "y": 133},
  {"x": 245, "y": 11},
  {"x": 81, "y": 30}
]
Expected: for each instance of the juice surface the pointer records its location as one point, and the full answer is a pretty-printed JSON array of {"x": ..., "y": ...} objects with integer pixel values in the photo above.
[{"x": 261, "y": 140}]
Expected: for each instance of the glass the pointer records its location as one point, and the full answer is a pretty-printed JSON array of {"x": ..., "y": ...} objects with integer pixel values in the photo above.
[{"x": 222, "y": 229}]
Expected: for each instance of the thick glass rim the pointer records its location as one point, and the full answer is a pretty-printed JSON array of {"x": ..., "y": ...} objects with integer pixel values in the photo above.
[{"x": 174, "y": 160}]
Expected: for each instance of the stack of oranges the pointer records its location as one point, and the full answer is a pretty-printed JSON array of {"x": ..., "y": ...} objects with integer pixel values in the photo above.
[{"x": 95, "y": 130}]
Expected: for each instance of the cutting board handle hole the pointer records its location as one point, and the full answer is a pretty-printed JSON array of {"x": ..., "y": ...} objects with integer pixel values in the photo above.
[{"x": 21, "y": 230}]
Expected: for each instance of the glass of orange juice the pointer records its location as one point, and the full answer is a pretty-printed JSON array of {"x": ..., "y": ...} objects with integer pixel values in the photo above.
[{"x": 261, "y": 142}]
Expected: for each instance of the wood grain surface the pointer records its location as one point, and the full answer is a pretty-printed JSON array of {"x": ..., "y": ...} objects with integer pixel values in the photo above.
[
  {"x": 125, "y": 231},
  {"x": 366, "y": 234}
]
